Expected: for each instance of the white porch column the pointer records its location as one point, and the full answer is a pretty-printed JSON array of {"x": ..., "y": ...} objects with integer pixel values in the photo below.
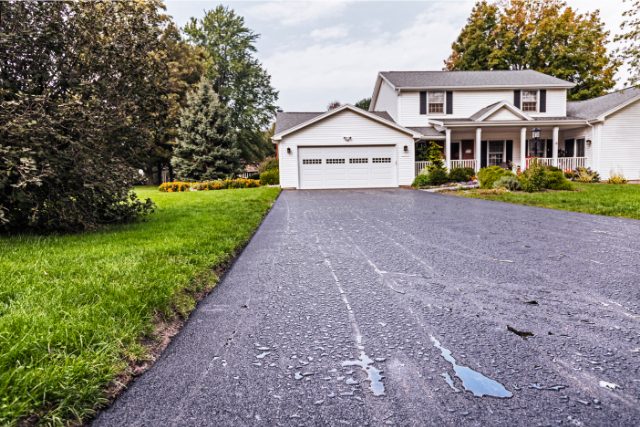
[
  {"x": 554, "y": 147},
  {"x": 523, "y": 149},
  {"x": 477, "y": 151},
  {"x": 447, "y": 149}
]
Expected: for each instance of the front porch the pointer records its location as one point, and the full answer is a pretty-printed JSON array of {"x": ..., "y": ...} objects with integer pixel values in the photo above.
[{"x": 513, "y": 148}]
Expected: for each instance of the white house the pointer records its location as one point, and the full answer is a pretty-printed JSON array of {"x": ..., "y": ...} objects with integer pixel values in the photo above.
[{"x": 481, "y": 118}]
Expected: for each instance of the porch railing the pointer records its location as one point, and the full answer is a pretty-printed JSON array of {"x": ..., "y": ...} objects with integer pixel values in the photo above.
[
  {"x": 421, "y": 165},
  {"x": 564, "y": 163},
  {"x": 469, "y": 163},
  {"x": 571, "y": 163}
]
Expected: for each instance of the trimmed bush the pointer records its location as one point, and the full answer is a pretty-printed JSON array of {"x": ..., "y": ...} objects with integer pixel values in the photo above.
[
  {"x": 461, "y": 174},
  {"x": 175, "y": 186},
  {"x": 617, "y": 178},
  {"x": 488, "y": 176},
  {"x": 507, "y": 182},
  {"x": 220, "y": 184},
  {"x": 421, "y": 180},
  {"x": 270, "y": 177},
  {"x": 555, "y": 180}
]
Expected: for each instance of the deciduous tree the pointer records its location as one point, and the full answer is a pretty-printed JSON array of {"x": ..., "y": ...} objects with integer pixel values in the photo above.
[
  {"x": 543, "y": 35},
  {"x": 630, "y": 41},
  {"x": 238, "y": 78}
]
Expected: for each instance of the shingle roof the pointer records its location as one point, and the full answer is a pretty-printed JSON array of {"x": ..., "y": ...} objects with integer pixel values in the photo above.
[
  {"x": 287, "y": 120},
  {"x": 428, "y": 132},
  {"x": 592, "y": 108},
  {"x": 442, "y": 79}
]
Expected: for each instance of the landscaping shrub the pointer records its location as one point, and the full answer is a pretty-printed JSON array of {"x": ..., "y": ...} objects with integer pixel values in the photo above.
[
  {"x": 438, "y": 176},
  {"x": 270, "y": 177},
  {"x": 617, "y": 178},
  {"x": 175, "y": 186},
  {"x": 220, "y": 184},
  {"x": 534, "y": 178},
  {"x": 422, "y": 180},
  {"x": 555, "y": 180},
  {"x": 461, "y": 174},
  {"x": 488, "y": 176},
  {"x": 270, "y": 163},
  {"x": 507, "y": 182},
  {"x": 583, "y": 175}
]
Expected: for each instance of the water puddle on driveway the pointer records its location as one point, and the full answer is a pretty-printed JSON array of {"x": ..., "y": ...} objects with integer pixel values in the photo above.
[
  {"x": 472, "y": 381},
  {"x": 374, "y": 375}
]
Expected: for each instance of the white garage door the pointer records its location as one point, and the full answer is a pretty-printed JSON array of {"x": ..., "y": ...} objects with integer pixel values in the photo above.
[{"x": 348, "y": 167}]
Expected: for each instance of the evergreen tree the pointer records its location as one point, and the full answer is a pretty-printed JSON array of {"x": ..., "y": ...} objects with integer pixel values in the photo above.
[
  {"x": 630, "y": 40},
  {"x": 206, "y": 145},
  {"x": 243, "y": 86},
  {"x": 364, "y": 103},
  {"x": 542, "y": 35}
]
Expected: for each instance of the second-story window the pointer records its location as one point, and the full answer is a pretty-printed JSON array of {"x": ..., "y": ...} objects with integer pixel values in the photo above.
[
  {"x": 436, "y": 102},
  {"x": 530, "y": 100}
]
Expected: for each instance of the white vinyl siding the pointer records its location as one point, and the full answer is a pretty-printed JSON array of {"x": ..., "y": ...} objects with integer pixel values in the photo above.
[
  {"x": 331, "y": 132},
  {"x": 619, "y": 150},
  {"x": 387, "y": 100},
  {"x": 556, "y": 104},
  {"x": 503, "y": 114},
  {"x": 467, "y": 103}
]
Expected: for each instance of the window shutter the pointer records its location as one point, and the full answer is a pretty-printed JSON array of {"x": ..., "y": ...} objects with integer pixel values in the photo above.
[
  {"x": 484, "y": 152},
  {"x": 543, "y": 101},
  {"x": 423, "y": 102},
  {"x": 449, "y": 102},
  {"x": 516, "y": 98},
  {"x": 509, "y": 151}
]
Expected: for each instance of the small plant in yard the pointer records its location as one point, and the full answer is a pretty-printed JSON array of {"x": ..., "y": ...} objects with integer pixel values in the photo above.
[
  {"x": 617, "y": 178},
  {"x": 461, "y": 174},
  {"x": 422, "y": 180},
  {"x": 555, "y": 180},
  {"x": 175, "y": 187},
  {"x": 583, "y": 175},
  {"x": 533, "y": 178},
  {"x": 507, "y": 182},
  {"x": 488, "y": 176},
  {"x": 270, "y": 177}
]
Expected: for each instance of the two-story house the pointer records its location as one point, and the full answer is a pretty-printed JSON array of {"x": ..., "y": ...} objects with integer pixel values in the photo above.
[{"x": 480, "y": 118}]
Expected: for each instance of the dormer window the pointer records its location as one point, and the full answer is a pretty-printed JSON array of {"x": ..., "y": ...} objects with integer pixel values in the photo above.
[
  {"x": 530, "y": 100},
  {"x": 435, "y": 101}
]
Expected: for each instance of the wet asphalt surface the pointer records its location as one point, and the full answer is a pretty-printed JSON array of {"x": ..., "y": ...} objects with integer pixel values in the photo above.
[{"x": 337, "y": 281}]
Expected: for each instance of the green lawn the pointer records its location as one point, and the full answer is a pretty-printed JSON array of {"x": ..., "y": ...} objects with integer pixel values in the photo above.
[
  {"x": 74, "y": 309},
  {"x": 600, "y": 199}
]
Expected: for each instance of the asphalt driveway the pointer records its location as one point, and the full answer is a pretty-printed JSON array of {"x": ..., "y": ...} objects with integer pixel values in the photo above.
[{"x": 392, "y": 307}]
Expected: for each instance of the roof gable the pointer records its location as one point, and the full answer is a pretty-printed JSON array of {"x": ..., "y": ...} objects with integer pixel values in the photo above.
[{"x": 381, "y": 117}]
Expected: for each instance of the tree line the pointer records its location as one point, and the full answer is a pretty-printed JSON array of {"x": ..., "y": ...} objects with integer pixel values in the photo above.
[{"x": 93, "y": 92}]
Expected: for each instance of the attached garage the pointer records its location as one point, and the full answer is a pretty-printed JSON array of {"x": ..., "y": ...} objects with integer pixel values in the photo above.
[{"x": 343, "y": 148}]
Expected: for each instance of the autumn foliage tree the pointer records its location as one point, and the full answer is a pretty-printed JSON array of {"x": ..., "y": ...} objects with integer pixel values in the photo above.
[
  {"x": 630, "y": 41},
  {"x": 543, "y": 35}
]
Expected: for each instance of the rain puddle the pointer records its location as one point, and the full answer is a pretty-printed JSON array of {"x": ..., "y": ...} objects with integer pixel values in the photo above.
[
  {"x": 472, "y": 381},
  {"x": 449, "y": 381},
  {"x": 374, "y": 375}
]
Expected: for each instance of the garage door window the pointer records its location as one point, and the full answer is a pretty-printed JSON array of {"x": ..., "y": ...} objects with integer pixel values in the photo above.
[
  {"x": 311, "y": 161},
  {"x": 381, "y": 160},
  {"x": 335, "y": 161},
  {"x": 359, "y": 161}
]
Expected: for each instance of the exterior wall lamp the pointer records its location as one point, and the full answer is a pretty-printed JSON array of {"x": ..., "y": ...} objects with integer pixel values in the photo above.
[
  {"x": 288, "y": 150},
  {"x": 406, "y": 148},
  {"x": 346, "y": 138},
  {"x": 588, "y": 143}
]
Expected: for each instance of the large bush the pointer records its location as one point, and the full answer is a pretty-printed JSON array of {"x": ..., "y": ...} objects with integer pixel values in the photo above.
[
  {"x": 489, "y": 175},
  {"x": 538, "y": 177},
  {"x": 555, "y": 180},
  {"x": 507, "y": 182},
  {"x": 81, "y": 98},
  {"x": 220, "y": 184},
  {"x": 461, "y": 174},
  {"x": 270, "y": 177},
  {"x": 268, "y": 164}
]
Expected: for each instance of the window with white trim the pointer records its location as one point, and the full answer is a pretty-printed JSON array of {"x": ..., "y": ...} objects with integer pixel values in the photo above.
[
  {"x": 311, "y": 161},
  {"x": 435, "y": 102},
  {"x": 335, "y": 161},
  {"x": 530, "y": 100},
  {"x": 496, "y": 153}
]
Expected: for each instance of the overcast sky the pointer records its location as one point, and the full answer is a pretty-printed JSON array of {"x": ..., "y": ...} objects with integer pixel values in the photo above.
[{"x": 326, "y": 50}]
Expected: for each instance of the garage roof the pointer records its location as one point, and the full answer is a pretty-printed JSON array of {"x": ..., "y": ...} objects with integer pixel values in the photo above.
[
  {"x": 602, "y": 105},
  {"x": 290, "y": 122}
]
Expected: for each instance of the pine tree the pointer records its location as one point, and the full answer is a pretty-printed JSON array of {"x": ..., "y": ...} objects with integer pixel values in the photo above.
[{"x": 206, "y": 144}]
